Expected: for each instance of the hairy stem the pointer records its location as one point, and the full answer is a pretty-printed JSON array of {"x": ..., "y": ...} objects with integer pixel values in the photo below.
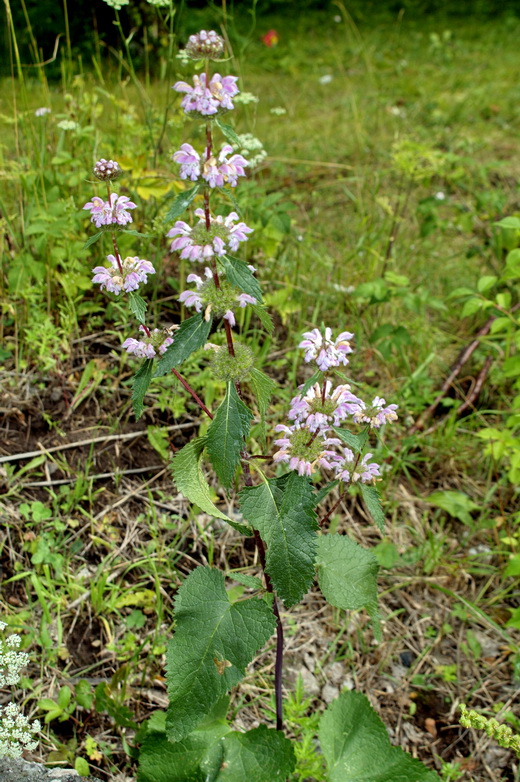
[
  {"x": 193, "y": 393},
  {"x": 114, "y": 240},
  {"x": 278, "y": 666},
  {"x": 247, "y": 470}
]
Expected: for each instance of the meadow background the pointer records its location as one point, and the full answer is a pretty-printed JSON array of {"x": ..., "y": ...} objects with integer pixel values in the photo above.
[{"x": 388, "y": 205}]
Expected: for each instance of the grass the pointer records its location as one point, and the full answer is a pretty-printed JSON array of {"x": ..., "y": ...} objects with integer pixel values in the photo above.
[{"x": 349, "y": 231}]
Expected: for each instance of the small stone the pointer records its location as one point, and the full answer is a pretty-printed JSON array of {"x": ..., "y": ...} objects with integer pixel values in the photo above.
[
  {"x": 18, "y": 770},
  {"x": 329, "y": 693},
  {"x": 309, "y": 660},
  {"x": 310, "y": 682},
  {"x": 335, "y": 672},
  {"x": 406, "y": 658},
  {"x": 348, "y": 683}
]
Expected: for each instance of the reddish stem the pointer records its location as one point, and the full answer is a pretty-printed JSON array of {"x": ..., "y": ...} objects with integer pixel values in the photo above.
[
  {"x": 114, "y": 242},
  {"x": 193, "y": 393}
]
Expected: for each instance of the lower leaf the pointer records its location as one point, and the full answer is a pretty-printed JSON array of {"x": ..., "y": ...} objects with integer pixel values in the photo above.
[{"x": 357, "y": 748}]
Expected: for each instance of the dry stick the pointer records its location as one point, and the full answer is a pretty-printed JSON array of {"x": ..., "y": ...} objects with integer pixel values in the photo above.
[
  {"x": 394, "y": 230},
  {"x": 93, "y": 441},
  {"x": 464, "y": 355},
  {"x": 247, "y": 472},
  {"x": 478, "y": 385},
  {"x": 470, "y": 399},
  {"x": 98, "y": 477}
]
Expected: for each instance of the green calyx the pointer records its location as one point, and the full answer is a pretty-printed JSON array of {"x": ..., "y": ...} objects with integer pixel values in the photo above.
[
  {"x": 327, "y": 408},
  {"x": 220, "y": 300},
  {"x": 303, "y": 448},
  {"x": 201, "y": 235},
  {"x": 229, "y": 368}
]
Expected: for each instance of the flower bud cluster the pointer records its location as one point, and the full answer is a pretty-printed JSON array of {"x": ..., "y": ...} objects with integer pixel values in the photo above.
[
  {"x": 228, "y": 368},
  {"x": 205, "y": 45},
  {"x": 217, "y": 172},
  {"x": 502, "y": 734},
  {"x": 306, "y": 443},
  {"x": 106, "y": 170}
]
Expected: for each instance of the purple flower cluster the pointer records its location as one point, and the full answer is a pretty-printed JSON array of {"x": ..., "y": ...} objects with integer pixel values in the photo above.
[
  {"x": 350, "y": 469},
  {"x": 302, "y": 451},
  {"x": 215, "y": 171},
  {"x": 377, "y": 414},
  {"x": 154, "y": 342},
  {"x": 219, "y": 301},
  {"x": 215, "y": 98},
  {"x": 200, "y": 244},
  {"x": 124, "y": 275},
  {"x": 115, "y": 210},
  {"x": 306, "y": 444},
  {"x": 324, "y": 350},
  {"x": 322, "y": 407}
]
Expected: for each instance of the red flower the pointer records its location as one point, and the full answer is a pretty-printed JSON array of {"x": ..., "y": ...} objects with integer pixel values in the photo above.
[{"x": 271, "y": 38}]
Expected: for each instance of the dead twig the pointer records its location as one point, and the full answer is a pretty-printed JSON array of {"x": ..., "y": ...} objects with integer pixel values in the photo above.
[
  {"x": 464, "y": 356},
  {"x": 105, "y": 439}
]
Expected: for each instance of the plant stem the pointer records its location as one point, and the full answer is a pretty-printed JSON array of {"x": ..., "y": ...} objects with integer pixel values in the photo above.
[
  {"x": 114, "y": 240},
  {"x": 278, "y": 667},
  {"x": 247, "y": 470},
  {"x": 193, "y": 393}
]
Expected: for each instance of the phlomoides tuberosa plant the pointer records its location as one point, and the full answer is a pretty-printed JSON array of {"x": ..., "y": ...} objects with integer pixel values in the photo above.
[{"x": 323, "y": 446}]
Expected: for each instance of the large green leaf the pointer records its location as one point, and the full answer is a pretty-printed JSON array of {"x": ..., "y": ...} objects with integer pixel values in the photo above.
[
  {"x": 260, "y": 755},
  {"x": 197, "y": 758},
  {"x": 214, "y": 641},
  {"x": 226, "y": 435},
  {"x": 264, "y": 317},
  {"x": 140, "y": 383},
  {"x": 282, "y": 510},
  {"x": 191, "y": 482},
  {"x": 230, "y": 133},
  {"x": 90, "y": 241},
  {"x": 354, "y": 441},
  {"x": 137, "y": 306},
  {"x": 263, "y": 387},
  {"x": 217, "y": 754},
  {"x": 373, "y": 502},
  {"x": 357, "y": 748},
  {"x": 240, "y": 275},
  {"x": 181, "y": 203},
  {"x": 347, "y": 573},
  {"x": 192, "y": 335},
  {"x": 318, "y": 375}
]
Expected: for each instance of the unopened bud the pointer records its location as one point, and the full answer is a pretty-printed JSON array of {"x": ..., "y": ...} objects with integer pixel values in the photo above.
[
  {"x": 106, "y": 170},
  {"x": 205, "y": 45},
  {"x": 232, "y": 368}
]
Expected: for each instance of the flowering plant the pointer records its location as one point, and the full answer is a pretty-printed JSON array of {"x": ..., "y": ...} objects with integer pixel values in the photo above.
[
  {"x": 17, "y": 733},
  {"x": 326, "y": 437}
]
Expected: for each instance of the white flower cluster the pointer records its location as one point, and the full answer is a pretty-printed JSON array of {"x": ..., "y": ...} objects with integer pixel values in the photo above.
[
  {"x": 11, "y": 661},
  {"x": 16, "y": 732},
  {"x": 249, "y": 144}
]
